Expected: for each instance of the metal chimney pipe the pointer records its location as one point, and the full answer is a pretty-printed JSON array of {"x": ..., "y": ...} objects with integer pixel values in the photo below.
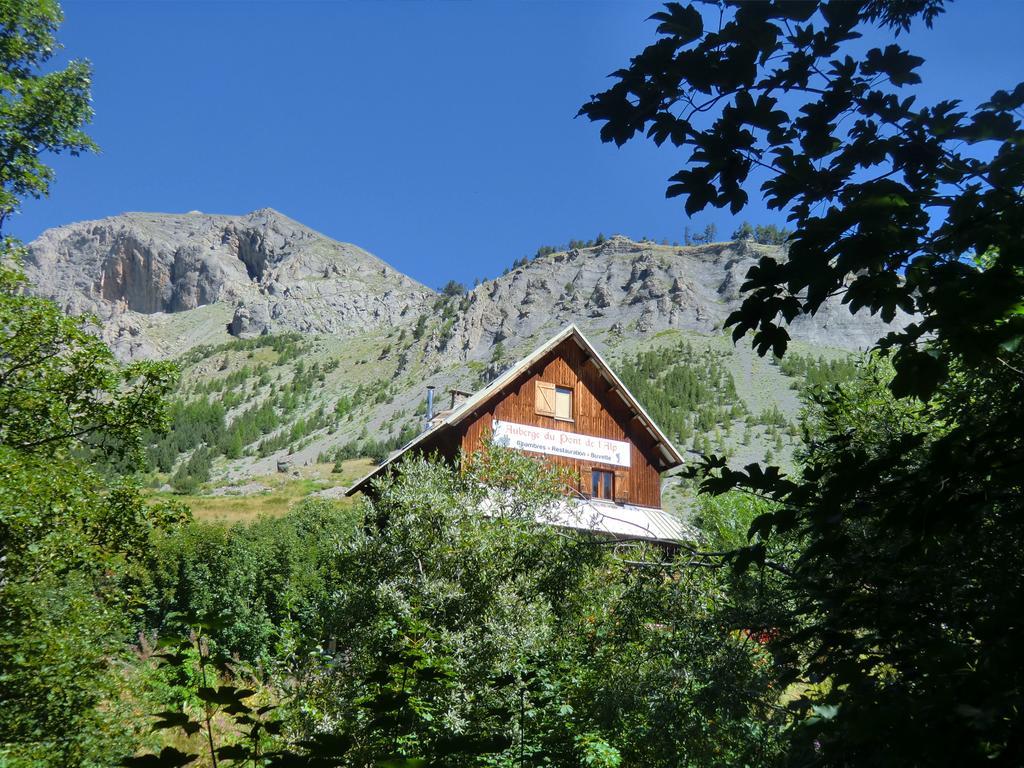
[{"x": 430, "y": 405}]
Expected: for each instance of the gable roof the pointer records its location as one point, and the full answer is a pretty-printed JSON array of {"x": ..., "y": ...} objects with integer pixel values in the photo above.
[{"x": 671, "y": 455}]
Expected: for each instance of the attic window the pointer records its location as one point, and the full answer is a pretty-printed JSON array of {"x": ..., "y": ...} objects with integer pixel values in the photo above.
[
  {"x": 553, "y": 400},
  {"x": 563, "y": 403}
]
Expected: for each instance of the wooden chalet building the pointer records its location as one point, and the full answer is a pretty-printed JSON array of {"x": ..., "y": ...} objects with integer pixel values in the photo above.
[{"x": 564, "y": 404}]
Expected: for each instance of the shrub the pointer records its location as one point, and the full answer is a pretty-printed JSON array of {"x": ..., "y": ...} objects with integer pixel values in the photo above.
[
  {"x": 466, "y": 637},
  {"x": 248, "y": 580}
]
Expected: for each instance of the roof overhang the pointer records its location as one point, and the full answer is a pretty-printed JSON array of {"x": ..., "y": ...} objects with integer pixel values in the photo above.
[{"x": 619, "y": 522}]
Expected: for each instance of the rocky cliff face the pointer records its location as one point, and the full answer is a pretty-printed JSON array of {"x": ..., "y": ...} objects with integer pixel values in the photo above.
[
  {"x": 635, "y": 289},
  {"x": 273, "y": 273},
  {"x": 161, "y": 283}
]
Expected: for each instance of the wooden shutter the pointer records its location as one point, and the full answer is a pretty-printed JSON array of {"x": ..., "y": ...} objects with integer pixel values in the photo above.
[
  {"x": 545, "y": 398},
  {"x": 622, "y": 487}
]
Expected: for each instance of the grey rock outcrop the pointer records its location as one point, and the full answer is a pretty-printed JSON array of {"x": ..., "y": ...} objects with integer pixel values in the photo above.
[
  {"x": 161, "y": 283},
  {"x": 132, "y": 270},
  {"x": 635, "y": 288}
]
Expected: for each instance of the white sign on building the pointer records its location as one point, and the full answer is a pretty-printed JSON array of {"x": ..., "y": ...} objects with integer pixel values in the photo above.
[{"x": 524, "y": 437}]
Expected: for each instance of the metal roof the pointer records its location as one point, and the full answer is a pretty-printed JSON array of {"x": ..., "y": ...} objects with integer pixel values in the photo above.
[
  {"x": 671, "y": 454},
  {"x": 622, "y": 522},
  {"x": 619, "y": 521}
]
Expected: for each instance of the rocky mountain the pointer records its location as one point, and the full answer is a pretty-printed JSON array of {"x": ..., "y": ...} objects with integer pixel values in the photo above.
[
  {"x": 259, "y": 273},
  {"x": 306, "y": 349},
  {"x": 164, "y": 283},
  {"x": 637, "y": 289}
]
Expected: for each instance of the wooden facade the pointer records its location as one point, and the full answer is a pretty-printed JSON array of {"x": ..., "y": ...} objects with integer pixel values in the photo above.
[
  {"x": 565, "y": 387},
  {"x": 597, "y": 411}
]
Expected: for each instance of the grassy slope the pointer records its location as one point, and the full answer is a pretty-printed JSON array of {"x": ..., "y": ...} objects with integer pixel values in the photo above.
[
  {"x": 372, "y": 362},
  {"x": 759, "y": 383},
  {"x": 279, "y": 492}
]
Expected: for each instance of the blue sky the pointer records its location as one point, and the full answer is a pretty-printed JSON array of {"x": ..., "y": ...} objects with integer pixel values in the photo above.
[{"x": 439, "y": 136}]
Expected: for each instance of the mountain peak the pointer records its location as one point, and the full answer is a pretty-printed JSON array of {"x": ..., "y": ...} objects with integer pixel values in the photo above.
[
  {"x": 265, "y": 270},
  {"x": 272, "y": 215},
  {"x": 162, "y": 283}
]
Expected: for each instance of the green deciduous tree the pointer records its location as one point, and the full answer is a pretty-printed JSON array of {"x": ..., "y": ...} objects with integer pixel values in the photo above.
[
  {"x": 248, "y": 581},
  {"x": 466, "y": 638},
  {"x": 907, "y": 588},
  {"x": 890, "y": 198},
  {"x": 70, "y": 541},
  {"x": 72, "y": 549},
  {"x": 444, "y": 626},
  {"x": 58, "y": 380},
  {"x": 60, "y": 385},
  {"x": 41, "y": 111}
]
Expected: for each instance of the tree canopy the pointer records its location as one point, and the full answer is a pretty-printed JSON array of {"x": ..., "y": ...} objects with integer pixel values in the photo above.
[
  {"x": 40, "y": 111},
  {"x": 891, "y": 200},
  {"x": 71, "y": 542},
  {"x": 60, "y": 384},
  {"x": 901, "y": 607},
  {"x": 882, "y": 626}
]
